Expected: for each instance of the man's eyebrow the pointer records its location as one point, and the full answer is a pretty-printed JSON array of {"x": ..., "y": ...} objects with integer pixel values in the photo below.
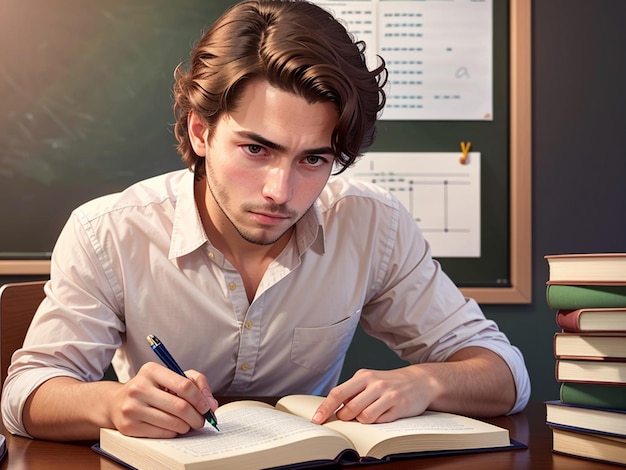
[{"x": 281, "y": 148}]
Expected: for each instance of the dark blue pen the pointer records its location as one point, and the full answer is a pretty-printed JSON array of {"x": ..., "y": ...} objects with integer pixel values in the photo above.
[{"x": 167, "y": 359}]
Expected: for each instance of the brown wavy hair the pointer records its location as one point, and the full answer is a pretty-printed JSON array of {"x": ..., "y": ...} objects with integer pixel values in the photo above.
[{"x": 297, "y": 47}]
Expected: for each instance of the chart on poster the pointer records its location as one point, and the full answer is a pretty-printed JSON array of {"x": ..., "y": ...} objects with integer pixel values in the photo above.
[{"x": 441, "y": 193}]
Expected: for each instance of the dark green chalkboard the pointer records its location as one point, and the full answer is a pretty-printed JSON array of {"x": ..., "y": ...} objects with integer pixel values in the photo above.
[{"x": 85, "y": 96}]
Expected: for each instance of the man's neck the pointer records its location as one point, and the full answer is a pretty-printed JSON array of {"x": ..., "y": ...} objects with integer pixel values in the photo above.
[{"x": 249, "y": 259}]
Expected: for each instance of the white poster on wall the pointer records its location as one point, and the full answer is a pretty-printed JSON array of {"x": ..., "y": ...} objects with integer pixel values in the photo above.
[
  {"x": 439, "y": 54},
  {"x": 441, "y": 193}
]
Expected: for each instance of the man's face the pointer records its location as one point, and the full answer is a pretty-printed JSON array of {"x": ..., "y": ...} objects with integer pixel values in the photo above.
[{"x": 267, "y": 162}]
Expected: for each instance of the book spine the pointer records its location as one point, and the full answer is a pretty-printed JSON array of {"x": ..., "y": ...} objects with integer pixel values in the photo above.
[
  {"x": 567, "y": 320},
  {"x": 594, "y": 395},
  {"x": 572, "y": 297}
]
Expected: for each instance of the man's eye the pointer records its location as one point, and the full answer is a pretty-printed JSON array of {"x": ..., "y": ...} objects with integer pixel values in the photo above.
[
  {"x": 315, "y": 160},
  {"x": 254, "y": 149}
]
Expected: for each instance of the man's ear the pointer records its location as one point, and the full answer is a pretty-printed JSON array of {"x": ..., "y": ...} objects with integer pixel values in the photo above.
[{"x": 198, "y": 133}]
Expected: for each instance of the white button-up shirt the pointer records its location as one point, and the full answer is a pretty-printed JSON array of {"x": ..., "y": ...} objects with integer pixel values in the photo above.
[{"x": 139, "y": 262}]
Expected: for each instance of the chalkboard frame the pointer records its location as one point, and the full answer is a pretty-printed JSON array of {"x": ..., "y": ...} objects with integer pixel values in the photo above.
[
  {"x": 520, "y": 159},
  {"x": 518, "y": 290}
]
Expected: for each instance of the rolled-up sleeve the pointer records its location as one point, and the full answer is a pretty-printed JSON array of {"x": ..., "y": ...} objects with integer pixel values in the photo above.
[
  {"x": 74, "y": 332},
  {"x": 422, "y": 315}
]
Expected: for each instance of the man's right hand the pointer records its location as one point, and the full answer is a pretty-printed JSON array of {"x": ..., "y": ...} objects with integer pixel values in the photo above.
[{"x": 157, "y": 403}]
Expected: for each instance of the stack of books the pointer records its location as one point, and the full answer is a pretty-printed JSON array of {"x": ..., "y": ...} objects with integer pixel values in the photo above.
[{"x": 588, "y": 292}]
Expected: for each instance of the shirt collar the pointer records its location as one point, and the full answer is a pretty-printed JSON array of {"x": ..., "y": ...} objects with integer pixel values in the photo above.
[
  {"x": 187, "y": 232},
  {"x": 310, "y": 231}
]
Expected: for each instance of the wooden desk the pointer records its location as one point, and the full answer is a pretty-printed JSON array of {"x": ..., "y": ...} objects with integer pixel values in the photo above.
[{"x": 528, "y": 427}]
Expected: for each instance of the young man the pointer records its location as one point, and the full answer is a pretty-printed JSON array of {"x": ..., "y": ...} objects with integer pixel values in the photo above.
[{"x": 254, "y": 267}]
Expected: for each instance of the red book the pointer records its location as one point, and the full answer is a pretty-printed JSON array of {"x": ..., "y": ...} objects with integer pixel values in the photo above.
[{"x": 592, "y": 320}]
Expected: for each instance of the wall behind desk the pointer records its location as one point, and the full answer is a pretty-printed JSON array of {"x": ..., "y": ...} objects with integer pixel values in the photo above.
[
  {"x": 579, "y": 166},
  {"x": 86, "y": 92},
  {"x": 579, "y": 163}
]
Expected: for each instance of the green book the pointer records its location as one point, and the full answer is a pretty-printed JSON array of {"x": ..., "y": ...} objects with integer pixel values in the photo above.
[
  {"x": 594, "y": 395},
  {"x": 571, "y": 297}
]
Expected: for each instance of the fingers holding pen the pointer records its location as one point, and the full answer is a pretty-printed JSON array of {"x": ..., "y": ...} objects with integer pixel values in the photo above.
[
  {"x": 166, "y": 358},
  {"x": 158, "y": 403},
  {"x": 207, "y": 401},
  {"x": 189, "y": 397}
]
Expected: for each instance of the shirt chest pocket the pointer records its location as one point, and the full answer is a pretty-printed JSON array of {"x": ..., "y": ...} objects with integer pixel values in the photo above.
[{"x": 321, "y": 348}]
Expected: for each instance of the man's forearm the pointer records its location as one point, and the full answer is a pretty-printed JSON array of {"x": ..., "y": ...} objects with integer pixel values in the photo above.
[
  {"x": 474, "y": 381},
  {"x": 64, "y": 409}
]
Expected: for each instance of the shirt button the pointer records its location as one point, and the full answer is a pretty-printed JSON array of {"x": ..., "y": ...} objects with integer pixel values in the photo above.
[
  {"x": 232, "y": 285},
  {"x": 211, "y": 255},
  {"x": 245, "y": 367},
  {"x": 248, "y": 324}
]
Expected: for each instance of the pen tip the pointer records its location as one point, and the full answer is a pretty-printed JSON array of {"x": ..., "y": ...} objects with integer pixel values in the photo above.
[{"x": 210, "y": 417}]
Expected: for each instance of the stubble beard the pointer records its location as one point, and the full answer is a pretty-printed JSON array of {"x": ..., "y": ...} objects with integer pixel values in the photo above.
[{"x": 221, "y": 199}]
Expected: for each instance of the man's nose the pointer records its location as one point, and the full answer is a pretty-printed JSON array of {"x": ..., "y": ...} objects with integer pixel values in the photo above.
[{"x": 278, "y": 186}]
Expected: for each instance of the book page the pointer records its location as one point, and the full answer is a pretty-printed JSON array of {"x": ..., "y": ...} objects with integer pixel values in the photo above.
[
  {"x": 304, "y": 406},
  {"x": 245, "y": 428},
  {"x": 428, "y": 431},
  {"x": 252, "y": 435}
]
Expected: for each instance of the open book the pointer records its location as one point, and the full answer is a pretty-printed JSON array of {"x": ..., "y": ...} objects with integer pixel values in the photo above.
[{"x": 257, "y": 435}]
